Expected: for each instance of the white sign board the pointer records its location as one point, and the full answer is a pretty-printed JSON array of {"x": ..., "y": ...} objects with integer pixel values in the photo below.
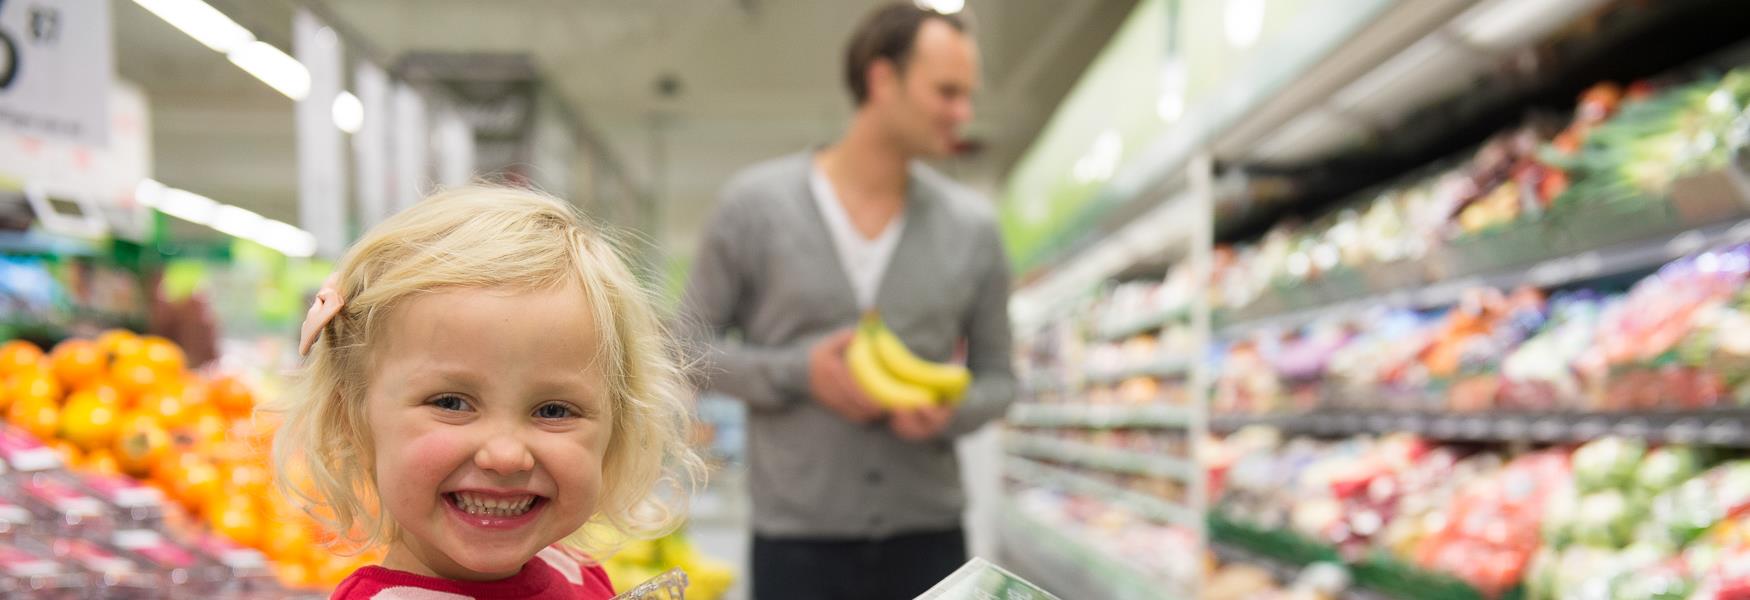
[
  {"x": 56, "y": 67},
  {"x": 105, "y": 175}
]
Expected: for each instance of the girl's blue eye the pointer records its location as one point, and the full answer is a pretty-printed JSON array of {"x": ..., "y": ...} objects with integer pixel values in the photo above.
[
  {"x": 554, "y": 411},
  {"x": 447, "y": 402}
]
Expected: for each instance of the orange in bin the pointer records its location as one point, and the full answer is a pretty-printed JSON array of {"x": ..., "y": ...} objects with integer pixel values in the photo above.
[
  {"x": 133, "y": 378},
  {"x": 38, "y": 415},
  {"x": 35, "y": 383},
  {"x": 78, "y": 362},
  {"x": 89, "y": 421},
  {"x": 134, "y": 409},
  {"x": 162, "y": 356},
  {"x": 19, "y": 355},
  {"x": 140, "y": 442}
]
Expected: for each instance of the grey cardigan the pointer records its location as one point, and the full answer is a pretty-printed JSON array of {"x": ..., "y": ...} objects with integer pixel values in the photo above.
[{"x": 767, "y": 283}]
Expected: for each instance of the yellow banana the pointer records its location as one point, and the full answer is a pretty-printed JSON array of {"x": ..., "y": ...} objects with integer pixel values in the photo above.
[
  {"x": 881, "y": 386},
  {"x": 948, "y": 380}
]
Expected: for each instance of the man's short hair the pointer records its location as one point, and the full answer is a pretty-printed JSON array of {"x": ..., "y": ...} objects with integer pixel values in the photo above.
[{"x": 889, "y": 32}]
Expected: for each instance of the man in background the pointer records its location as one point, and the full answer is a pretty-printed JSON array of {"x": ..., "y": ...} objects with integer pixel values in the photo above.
[{"x": 851, "y": 500}]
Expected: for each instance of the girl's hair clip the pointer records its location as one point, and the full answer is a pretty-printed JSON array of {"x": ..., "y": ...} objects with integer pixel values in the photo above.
[{"x": 322, "y": 310}]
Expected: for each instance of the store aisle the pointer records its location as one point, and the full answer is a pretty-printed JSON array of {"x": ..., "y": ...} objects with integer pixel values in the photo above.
[{"x": 719, "y": 527}]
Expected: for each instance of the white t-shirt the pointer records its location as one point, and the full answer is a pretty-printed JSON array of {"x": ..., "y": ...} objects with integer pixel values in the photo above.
[{"x": 864, "y": 260}]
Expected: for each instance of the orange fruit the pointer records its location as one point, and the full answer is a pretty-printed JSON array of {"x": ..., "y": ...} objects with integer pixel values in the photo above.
[
  {"x": 245, "y": 478},
  {"x": 140, "y": 442},
  {"x": 19, "y": 355},
  {"x": 121, "y": 344},
  {"x": 205, "y": 423},
  {"x": 286, "y": 537},
  {"x": 195, "y": 392},
  {"x": 33, "y": 384},
  {"x": 193, "y": 480},
  {"x": 103, "y": 390},
  {"x": 78, "y": 362},
  {"x": 295, "y": 575},
  {"x": 103, "y": 462},
  {"x": 167, "y": 407},
  {"x": 236, "y": 517},
  {"x": 163, "y": 355},
  {"x": 133, "y": 378},
  {"x": 332, "y": 568},
  {"x": 89, "y": 421},
  {"x": 39, "y": 416},
  {"x": 232, "y": 396}
]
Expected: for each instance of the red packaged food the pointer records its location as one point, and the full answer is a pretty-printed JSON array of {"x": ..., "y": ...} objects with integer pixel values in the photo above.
[{"x": 23, "y": 452}]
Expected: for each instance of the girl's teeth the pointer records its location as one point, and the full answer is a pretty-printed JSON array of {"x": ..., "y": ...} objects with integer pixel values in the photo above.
[{"x": 497, "y": 507}]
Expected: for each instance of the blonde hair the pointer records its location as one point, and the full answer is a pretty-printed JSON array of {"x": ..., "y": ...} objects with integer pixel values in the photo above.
[{"x": 483, "y": 236}]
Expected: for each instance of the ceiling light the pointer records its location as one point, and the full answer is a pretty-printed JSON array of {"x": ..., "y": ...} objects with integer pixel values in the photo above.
[
  {"x": 349, "y": 113},
  {"x": 234, "y": 221},
  {"x": 1244, "y": 22},
  {"x": 202, "y": 22},
  {"x": 286, "y": 239},
  {"x": 274, "y": 68},
  {"x": 1101, "y": 161},
  {"x": 150, "y": 193},
  {"x": 187, "y": 206},
  {"x": 230, "y": 220},
  {"x": 1171, "y": 105},
  {"x": 946, "y": 7}
]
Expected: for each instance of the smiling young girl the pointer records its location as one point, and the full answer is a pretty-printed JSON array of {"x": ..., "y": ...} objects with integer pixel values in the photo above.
[{"x": 485, "y": 377}]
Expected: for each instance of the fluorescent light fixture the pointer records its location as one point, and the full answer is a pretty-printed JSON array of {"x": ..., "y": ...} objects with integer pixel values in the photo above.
[
  {"x": 1171, "y": 104},
  {"x": 187, "y": 206},
  {"x": 349, "y": 113},
  {"x": 1509, "y": 24},
  {"x": 227, "y": 219},
  {"x": 202, "y": 22},
  {"x": 150, "y": 192},
  {"x": 274, "y": 68},
  {"x": 286, "y": 239},
  {"x": 1101, "y": 161},
  {"x": 236, "y": 222},
  {"x": 946, "y": 7},
  {"x": 1244, "y": 22}
]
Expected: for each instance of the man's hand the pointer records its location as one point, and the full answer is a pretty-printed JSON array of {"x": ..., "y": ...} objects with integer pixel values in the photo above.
[
  {"x": 831, "y": 383},
  {"x": 920, "y": 424}
]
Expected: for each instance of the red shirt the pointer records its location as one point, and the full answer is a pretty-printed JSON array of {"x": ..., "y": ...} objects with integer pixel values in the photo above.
[{"x": 553, "y": 573}]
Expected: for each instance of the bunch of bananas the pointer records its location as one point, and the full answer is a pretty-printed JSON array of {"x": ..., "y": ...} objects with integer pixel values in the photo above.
[{"x": 894, "y": 377}]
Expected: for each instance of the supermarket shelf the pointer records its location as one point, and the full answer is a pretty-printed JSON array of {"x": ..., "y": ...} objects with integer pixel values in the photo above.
[
  {"x": 1070, "y": 566},
  {"x": 1282, "y": 571},
  {"x": 1140, "y": 325},
  {"x": 1150, "y": 507},
  {"x": 40, "y": 243},
  {"x": 1163, "y": 368},
  {"x": 1723, "y": 427},
  {"x": 1552, "y": 271},
  {"x": 1098, "y": 416},
  {"x": 1098, "y": 457},
  {"x": 1378, "y": 573},
  {"x": 1043, "y": 384}
]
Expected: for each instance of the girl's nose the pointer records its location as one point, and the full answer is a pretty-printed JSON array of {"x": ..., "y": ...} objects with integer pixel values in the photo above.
[{"x": 504, "y": 453}]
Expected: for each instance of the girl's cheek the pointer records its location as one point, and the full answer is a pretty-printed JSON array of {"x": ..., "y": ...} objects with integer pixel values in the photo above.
[{"x": 433, "y": 455}]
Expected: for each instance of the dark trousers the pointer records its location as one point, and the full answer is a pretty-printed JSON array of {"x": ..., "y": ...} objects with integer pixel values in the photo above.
[{"x": 897, "y": 568}]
